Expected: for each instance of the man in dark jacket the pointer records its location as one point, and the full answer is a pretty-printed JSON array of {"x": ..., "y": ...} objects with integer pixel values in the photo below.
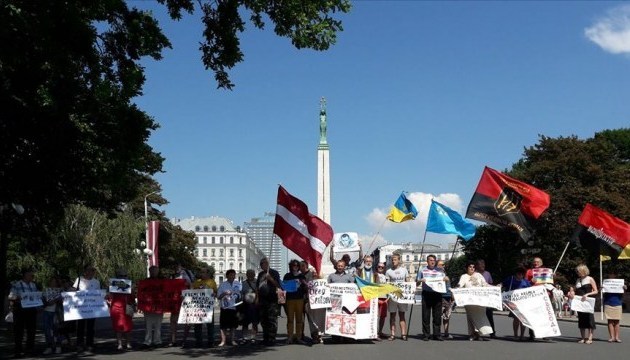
[{"x": 267, "y": 285}]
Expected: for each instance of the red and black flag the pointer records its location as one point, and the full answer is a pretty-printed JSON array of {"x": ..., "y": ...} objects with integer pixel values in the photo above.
[
  {"x": 506, "y": 202},
  {"x": 601, "y": 232}
]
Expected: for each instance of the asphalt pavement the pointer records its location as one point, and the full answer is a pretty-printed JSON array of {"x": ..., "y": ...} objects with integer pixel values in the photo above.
[{"x": 504, "y": 346}]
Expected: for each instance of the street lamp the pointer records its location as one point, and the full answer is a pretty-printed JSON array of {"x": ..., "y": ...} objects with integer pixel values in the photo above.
[{"x": 148, "y": 252}]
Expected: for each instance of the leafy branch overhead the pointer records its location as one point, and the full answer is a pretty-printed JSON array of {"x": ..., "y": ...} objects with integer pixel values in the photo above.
[{"x": 307, "y": 23}]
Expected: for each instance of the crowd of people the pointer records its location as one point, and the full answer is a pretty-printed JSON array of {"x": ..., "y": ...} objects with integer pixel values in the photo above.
[{"x": 259, "y": 298}]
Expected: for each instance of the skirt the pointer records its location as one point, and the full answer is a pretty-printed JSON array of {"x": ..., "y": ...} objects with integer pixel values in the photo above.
[
  {"x": 586, "y": 320},
  {"x": 612, "y": 312}
]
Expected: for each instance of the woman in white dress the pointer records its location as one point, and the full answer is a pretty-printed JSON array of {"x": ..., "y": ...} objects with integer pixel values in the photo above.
[{"x": 475, "y": 315}]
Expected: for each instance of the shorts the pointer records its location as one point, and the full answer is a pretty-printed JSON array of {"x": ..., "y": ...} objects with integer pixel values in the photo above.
[{"x": 393, "y": 307}]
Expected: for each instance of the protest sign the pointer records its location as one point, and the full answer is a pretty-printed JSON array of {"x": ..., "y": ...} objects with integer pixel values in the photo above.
[
  {"x": 319, "y": 294},
  {"x": 85, "y": 304},
  {"x": 586, "y": 306},
  {"x": 51, "y": 294},
  {"x": 197, "y": 307},
  {"x": 350, "y": 315},
  {"x": 533, "y": 308},
  {"x": 120, "y": 286},
  {"x": 434, "y": 279},
  {"x": 408, "y": 292},
  {"x": 488, "y": 296},
  {"x": 542, "y": 276},
  {"x": 160, "y": 295},
  {"x": 346, "y": 243},
  {"x": 613, "y": 286},
  {"x": 31, "y": 299}
]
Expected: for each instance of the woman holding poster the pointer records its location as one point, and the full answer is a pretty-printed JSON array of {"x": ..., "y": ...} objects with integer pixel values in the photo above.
[
  {"x": 612, "y": 309},
  {"x": 121, "y": 312},
  {"x": 475, "y": 315},
  {"x": 585, "y": 287},
  {"x": 295, "y": 285}
]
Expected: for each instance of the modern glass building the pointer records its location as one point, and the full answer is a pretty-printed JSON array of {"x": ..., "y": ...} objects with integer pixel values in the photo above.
[{"x": 260, "y": 229}]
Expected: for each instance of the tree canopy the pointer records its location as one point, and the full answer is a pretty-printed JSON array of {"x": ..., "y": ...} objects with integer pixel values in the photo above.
[{"x": 574, "y": 172}]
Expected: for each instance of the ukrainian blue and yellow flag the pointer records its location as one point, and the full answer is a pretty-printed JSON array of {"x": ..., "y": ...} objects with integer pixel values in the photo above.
[
  {"x": 444, "y": 220},
  {"x": 402, "y": 210},
  {"x": 370, "y": 290}
]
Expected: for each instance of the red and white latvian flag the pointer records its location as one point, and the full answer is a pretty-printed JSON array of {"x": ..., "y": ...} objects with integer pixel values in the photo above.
[
  {"x": 301, "y": 232},
  {"x": 152, "y": 242}
]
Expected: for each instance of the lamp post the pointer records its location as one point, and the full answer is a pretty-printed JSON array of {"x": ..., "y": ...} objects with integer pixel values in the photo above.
[{"x": 147, "y": 251}]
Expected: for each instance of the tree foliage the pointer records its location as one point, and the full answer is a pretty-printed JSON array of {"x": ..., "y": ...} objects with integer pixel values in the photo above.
[{"x": 574, "y": 172}]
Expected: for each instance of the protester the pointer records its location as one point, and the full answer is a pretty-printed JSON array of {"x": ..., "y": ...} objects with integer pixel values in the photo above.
[
  {"x": 514, "y": 282},
  {"x": 52, "y": 299},
  {"x": 351, "y": 267},
  {"x": 382, "y": 301},
  {"x": 315, "y": 317},
  {"x": 228, "y": 294},
  {"x": 24, "y": 319},
  {"x": 613, "y": 311},
  {"x": 585, "y": 287},
  {"x": 153, "y": 320},
  {"x": 205, "y": 281},
  {"x": 122, "y": 307},
  {"x": 447, "y": 303},
  {"x": 66, "y": 328},
  {"x": 188, "y": 277},
  {"x": 267, "y": 285},
  {"x": 558, "y": 300},
  {"x": 529, "y": 276},
  {"x": 480, "y": 267},
  {"x": 85, "y": 327},
  {"x": 431, "y": 301},
  {"x": 250, "y": 309},
  {"x": 295, "y": 303},
  {"x": 475, "y": 315},
  {"x": 340, "y": 276},
  {"x": 397, "y": 274},
  {"x": 569, "y": 296}
]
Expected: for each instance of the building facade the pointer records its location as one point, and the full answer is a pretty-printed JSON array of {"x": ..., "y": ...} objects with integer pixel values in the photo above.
[
  {"x": 223, "y": 245},
  {"x": 414, "y": 256},
  {"x": 260, "y": 229}
]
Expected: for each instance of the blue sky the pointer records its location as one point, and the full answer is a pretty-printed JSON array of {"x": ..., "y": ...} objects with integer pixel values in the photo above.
[{"x": 420, "y": 97}]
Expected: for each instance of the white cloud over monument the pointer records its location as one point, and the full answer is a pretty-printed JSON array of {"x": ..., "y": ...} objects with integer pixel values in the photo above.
[{"x": 612, "y": 31}]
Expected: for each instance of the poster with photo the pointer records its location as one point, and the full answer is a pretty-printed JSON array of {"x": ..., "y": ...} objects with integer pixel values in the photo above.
[
  {"x": 346, "y": 243},
  {"x": 350, "y": 315}
]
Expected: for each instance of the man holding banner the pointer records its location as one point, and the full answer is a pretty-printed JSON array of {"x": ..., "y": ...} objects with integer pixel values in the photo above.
[
  {"x": 85, "y": 327},
  {"x": 433, "y": 280},
  {"x": 24, "y": 315}
]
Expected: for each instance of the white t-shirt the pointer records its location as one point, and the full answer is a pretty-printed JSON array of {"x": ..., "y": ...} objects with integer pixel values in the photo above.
[{"x": 397, "y": 275}]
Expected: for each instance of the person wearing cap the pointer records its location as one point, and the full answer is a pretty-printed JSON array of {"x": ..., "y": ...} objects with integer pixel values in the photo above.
[
  {"x": 23, "y": 318},
  {"x": 85, "y": 327},
  {"x": 267, "y": 285},
  {"x": 121, "y": 308}
]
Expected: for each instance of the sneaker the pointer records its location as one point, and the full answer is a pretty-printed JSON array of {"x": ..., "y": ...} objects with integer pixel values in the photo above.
[
  {"x": 48, "y": 351},
  {"x": 58, "y": 350},
  {"x": 120, "y": 347}
]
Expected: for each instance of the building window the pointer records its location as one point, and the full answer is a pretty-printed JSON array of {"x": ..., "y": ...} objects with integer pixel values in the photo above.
[
  {"x": 221, "y": 252},
  {"x": 222, "y": 228},
  {"x": 204, "y": 240},
  {"x": 231, "y": 240},
  {"x": 197, "y": 229},
  {"x": 212, "y": 264},
  {"x": 231, "y": 265},
  {"x": 221, "y": 240},
  {"x": 415, "y": 258},
  {"x": 231, "y": 252},
  {"x": 240, "y": 252},
  {"x": 220, "y": 267},
  {"x": 407, "y": 258},
  {"x": 213, "y": 239},
  {"x": 240, "y": 267},
  {"x": 212, "y": 252},
  {"x": 205, "y": 252},
  {"x": 205, "y": 228},
  {"x": 214, "y": 228}
]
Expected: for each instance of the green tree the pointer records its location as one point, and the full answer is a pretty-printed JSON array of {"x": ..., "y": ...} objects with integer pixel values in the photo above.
[{"x": 574, "y": 172}]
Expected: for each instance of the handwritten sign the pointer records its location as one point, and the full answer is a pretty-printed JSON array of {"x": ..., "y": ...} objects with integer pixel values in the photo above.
[
  {"x": 85, "y": 304},
  {"x": 120, "y": 286},
  {"x": 31, "y": 299},
  {"x": 487, "y": 296},
  {"x": 533, "y": 308},
  {"x": 197, "y": 307},
  {"x": 408, "y": 293},
  {"x": 319, "y": 294},
  {"x": 613, "y": 286},
  {"x": 434, "y": 280}
]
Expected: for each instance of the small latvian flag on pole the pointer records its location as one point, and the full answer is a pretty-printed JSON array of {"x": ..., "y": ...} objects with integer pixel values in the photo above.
[
  {"x": 301, "y": 232},
  {"x": 506, "y": 202},
  {"x": 601, "y": 232}
]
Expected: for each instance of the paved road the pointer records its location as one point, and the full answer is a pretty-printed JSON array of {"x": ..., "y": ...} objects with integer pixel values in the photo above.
[{"x": 504, "y": 347}]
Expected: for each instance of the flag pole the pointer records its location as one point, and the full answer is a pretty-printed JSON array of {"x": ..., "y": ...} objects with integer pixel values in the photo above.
[
  {"x": 419, "y": 263},
  {"x": 561, "y": 256},
  {"x": 601, "y": 293},
  {"x": 377, "y": 232}
]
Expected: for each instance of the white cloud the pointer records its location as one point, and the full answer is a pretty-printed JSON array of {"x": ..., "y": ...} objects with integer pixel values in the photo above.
[
  {"x": 612, "y": 31},
  {"x": 414, "y": 228}
]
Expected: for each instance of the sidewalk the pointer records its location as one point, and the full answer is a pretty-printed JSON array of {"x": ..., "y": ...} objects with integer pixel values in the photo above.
[{"x": 625, "y": 319}]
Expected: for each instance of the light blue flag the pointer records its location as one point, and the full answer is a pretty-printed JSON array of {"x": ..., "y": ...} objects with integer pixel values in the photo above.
[{"x": 444, "y": 220}]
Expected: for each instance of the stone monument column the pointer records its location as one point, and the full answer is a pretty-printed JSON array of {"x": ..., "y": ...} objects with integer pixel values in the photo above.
[{"x": 323, "y": 181}]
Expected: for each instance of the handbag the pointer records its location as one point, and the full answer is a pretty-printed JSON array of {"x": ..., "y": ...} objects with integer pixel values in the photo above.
[
  {"x": 9, "y": 317},
  {"x": 129, "y": 310}
]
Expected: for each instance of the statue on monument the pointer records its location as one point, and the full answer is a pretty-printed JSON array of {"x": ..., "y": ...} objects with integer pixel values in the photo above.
[{"x": 322, "y": 121}]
